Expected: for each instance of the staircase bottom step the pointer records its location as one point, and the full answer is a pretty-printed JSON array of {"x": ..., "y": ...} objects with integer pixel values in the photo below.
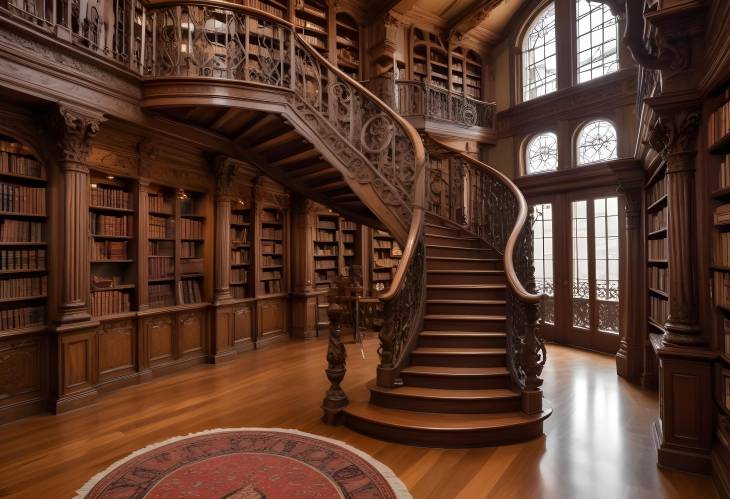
[{"x": 444, "y": 430}]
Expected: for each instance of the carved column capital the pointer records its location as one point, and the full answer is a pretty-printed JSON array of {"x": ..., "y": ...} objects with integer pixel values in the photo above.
[
  {"x": 674, "y": 137},
  {"x": 74, "y": 131}
]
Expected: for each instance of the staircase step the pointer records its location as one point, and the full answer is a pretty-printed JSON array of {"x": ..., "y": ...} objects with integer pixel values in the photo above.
[
  {"x": 459, "y": 357},
  {"x": 456, "y": 241},
  {"x": 459, "y": 250},
  {"x": 463, "y": 263},
  {"x": 420, "y": 399},
  {"x": 466, "y": 307},
  {"x": 441, "y": 230},
  {"x": 461, "y": 339},
  {"x": 476, "y": 323},
  {"x": 444, "y": 430},
  {"x": 465, "y": 291},
  {"x": 456, "y": 378},
  {"x": 465, "y": 277}
]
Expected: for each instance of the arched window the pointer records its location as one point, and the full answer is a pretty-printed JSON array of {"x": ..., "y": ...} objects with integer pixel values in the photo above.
[
  {"x": 541, "y": 154},
  {"x": 539, "y": 63},
  {"x": 597, "y": 32},
  {"x": 596, "y": 142}
]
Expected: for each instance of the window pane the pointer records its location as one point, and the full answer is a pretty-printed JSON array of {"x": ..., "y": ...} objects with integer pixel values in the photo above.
[
  {"x": 581, "y": 285},
  {"x": 539, "y": 71},
  {"x": 543, "y": 257},
  {"x": 542, "y": 153},
  {"x": 597, "y": 32},
  {"x": 607, "y": 263},
  {"x": 597, "y": 142}
]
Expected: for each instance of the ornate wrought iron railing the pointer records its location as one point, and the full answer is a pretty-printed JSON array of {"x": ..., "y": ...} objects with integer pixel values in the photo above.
[
  {"x": 417, "y": 98},
  {"x": 487, "y": 203},
  {"x": 111, "y": 28}
]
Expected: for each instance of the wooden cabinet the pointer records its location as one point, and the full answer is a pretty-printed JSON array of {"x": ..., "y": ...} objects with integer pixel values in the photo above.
[
  {"x": 272, "y": 319},
  {"x": 116, "y": 350}
]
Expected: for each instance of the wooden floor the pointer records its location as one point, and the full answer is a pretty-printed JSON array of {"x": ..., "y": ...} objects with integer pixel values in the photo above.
[{"x": 597, "y": 442}]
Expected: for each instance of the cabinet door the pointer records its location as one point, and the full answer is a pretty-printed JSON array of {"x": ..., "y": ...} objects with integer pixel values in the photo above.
[
  {"x": 190, "y": 330},
  {"x": 116, "y": 349},
  {"x": 21, "y": 376},
  {"x": 159, "y": 334},
  {"x": 272, "y": 318},
  {"x": 242, "y": 324}
]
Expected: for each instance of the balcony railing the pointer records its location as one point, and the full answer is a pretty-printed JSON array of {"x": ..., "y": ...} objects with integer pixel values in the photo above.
[
  {"x": 416, "y": 98},
  {"x": 111, "y": 28}
]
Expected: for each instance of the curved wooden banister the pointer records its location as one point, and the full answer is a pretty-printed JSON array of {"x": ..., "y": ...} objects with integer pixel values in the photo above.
[{"x": 514, "y": 237}]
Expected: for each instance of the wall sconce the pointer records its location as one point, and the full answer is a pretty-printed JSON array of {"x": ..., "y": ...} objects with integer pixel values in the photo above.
[{"x": 181, "y": 194}]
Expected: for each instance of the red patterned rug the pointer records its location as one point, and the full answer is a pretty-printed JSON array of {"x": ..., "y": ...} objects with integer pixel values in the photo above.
[{"x": 247, "y": 463}]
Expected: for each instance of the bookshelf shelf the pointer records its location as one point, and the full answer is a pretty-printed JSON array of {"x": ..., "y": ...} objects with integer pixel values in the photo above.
[
  {"x": 658, "y": 204},
  {"x": 347, "y": 41},
  {"x": 23, "y": 225},
  {"x": 271, "y": 280},
  {"x": 240, "y": 224}
]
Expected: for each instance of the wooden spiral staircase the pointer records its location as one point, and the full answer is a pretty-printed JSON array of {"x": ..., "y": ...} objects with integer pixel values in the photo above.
[{"x": 460, "y": 357}]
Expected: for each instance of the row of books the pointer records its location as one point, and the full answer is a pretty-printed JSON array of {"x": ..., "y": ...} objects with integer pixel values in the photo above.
[
  {"x": 23, "y": 287},
  {"x": 721, "y": 289},
  {"x": 109, "y": 302},
  {"x": 109, "y": 250},
  {"x": 474, "y": 93},
  {"x": 239, "y": 256},
  {"x": 110, "y": 225},
  {"x": 270, "y": 287},
  {"x": 189, "y": 249},
  {"x": 239, "y": 218},
  {"x": 20, "y": 165},
  {"x": 383, "y": 243},
  {"x": 22, "y": 231},
  {"x": 326, "y": 277},
  {"x": 160, "y": 227},
  {"x": 726, "y": 331},
  {"x": 348, "y": 252},
  {"x": 159, "y": 203},
  {"x": 161, "y": 248},
  {"x": 314, "y": 41},
  {"x": 271, "y": 233},
  {"x": 348, "y": 225},
  {"x": 187, "y": 206},
  {"x": 721, "y": 216},
  {"x": 239, "y": 235},
  {"x": 160, "y": 295},
  {"x": 272, "y": 248},
  {"x": 325, "y": 264},
  {"x": 658, "y": 278},
  {"x": 239, "y": 275},
  {"x": 23, "y": 317},
  {"x": 326, "y": 236},
  {"x": 721, "y": 249},
  {"x": 656, "y": 190},
  {"x": 382, "y": 275},
  {"x": 271, "y": 261},
  {"x": 109, "y": 197},
  {"x": 271, "y": 216},
  {"x": 21, "y": 199},
  {"x": 326, "y": 250},
  {"x": 657, "y": 221},
  {"x": 239, "y": 292},
  {"x": 190, "y": 291},
  {"x": 161, "y": 268},
  {"x": 270, "y": 274},
  {"x": 386, "y": 262},
  {"x": 30, "y": 259},
  {"x": 325, "y": 223},
  {"x": 718, "y": 125},
  {"x": 191, "y": 229},
  {"x": 348, "y": 238},
  {"x": 657, "y": 249},
  {"x": 724, "y": 172},
  {"x": 658, "y": 309}
]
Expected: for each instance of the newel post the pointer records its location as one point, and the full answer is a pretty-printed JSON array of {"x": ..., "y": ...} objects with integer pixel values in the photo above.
[
  {"x": 335, "y": 398},
  {"x": 533, "y": 349}
]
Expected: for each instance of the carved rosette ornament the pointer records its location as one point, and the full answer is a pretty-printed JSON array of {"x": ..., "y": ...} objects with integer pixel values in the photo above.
[
  {"x": 674, "y": 137},
  {"x": 74, "y": 130}
]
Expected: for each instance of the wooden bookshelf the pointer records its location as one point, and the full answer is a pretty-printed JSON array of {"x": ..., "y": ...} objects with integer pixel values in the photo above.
[
  {"x": 112, "y": 248},
  {"x": 161, "y": 250},
  {"x": 657, "y": 273},
  {"x": 473, "y": 75},
  {"x": 326, "y": 250},
  {"x": 190, "y": 244},
  {"x": 240, "y": 278},
  {"x": 348, "y": 44},
  {"x": 350, "y": 232},
  {"x": 311, "y": 21},
  {"x": 278, "y": 8},
  {"x": 23, "y": 239},
  {"x": 386, "y": 256},
  {"x": 272, "y": 268}
]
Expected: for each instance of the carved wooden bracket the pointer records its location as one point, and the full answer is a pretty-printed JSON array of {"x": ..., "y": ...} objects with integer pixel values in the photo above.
[
  {"x": 471, "y": 18},
  {"x": 225, "y": 170},
  {"x": 74, "y": 131},
  {"x": 674, "y": 136}
]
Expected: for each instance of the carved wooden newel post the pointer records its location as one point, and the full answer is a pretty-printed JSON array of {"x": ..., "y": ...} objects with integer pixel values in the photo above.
[
  {"x": 74, "y": 129},
  {"x": 335, "y": 399}
]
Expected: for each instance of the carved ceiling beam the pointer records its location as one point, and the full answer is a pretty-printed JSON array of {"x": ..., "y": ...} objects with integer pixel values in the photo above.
[{"x": 470, "y": 18}]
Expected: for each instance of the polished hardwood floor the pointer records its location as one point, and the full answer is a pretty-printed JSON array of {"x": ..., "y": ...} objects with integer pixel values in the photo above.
[{"x": 597, "y": 442}]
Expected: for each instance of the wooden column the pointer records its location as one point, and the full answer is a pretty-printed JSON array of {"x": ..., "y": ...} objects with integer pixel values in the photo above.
[
  {"x": 74, "y": 129},
  {"x": 304, "y": 300},
  {"x": 143, "y": 208},
  {"x": 630, "y": 352}
]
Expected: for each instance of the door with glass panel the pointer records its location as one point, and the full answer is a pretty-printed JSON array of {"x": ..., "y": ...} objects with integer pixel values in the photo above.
[
  {"x": 545, "y": 268},
  {"x": 595, "y": 270}
]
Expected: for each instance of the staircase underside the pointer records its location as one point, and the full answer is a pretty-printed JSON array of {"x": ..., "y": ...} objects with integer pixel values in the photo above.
[
  {"x": 268, "y": 141},
  {"x": 457, "y": 390}
]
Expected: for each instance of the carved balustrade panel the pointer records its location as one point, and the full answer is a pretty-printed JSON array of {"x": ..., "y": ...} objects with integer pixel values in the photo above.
[{"x": 415, "y": 98}]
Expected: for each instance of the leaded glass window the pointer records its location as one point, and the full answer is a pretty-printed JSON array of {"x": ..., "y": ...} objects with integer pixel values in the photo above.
[
  {"x": 542, "y": 153},
  {"x": 605, "y": 215},
  {"x": 581, "y": 288},
  {"x": 597, "y": 32},
  {"x": 542, "y": 244},
  {"x": 539, "y": 61},
  {"x": 597, "y": 142}
]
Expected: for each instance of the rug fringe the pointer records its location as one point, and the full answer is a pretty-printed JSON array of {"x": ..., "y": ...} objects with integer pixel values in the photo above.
[{"x": 399, "y": 488}]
